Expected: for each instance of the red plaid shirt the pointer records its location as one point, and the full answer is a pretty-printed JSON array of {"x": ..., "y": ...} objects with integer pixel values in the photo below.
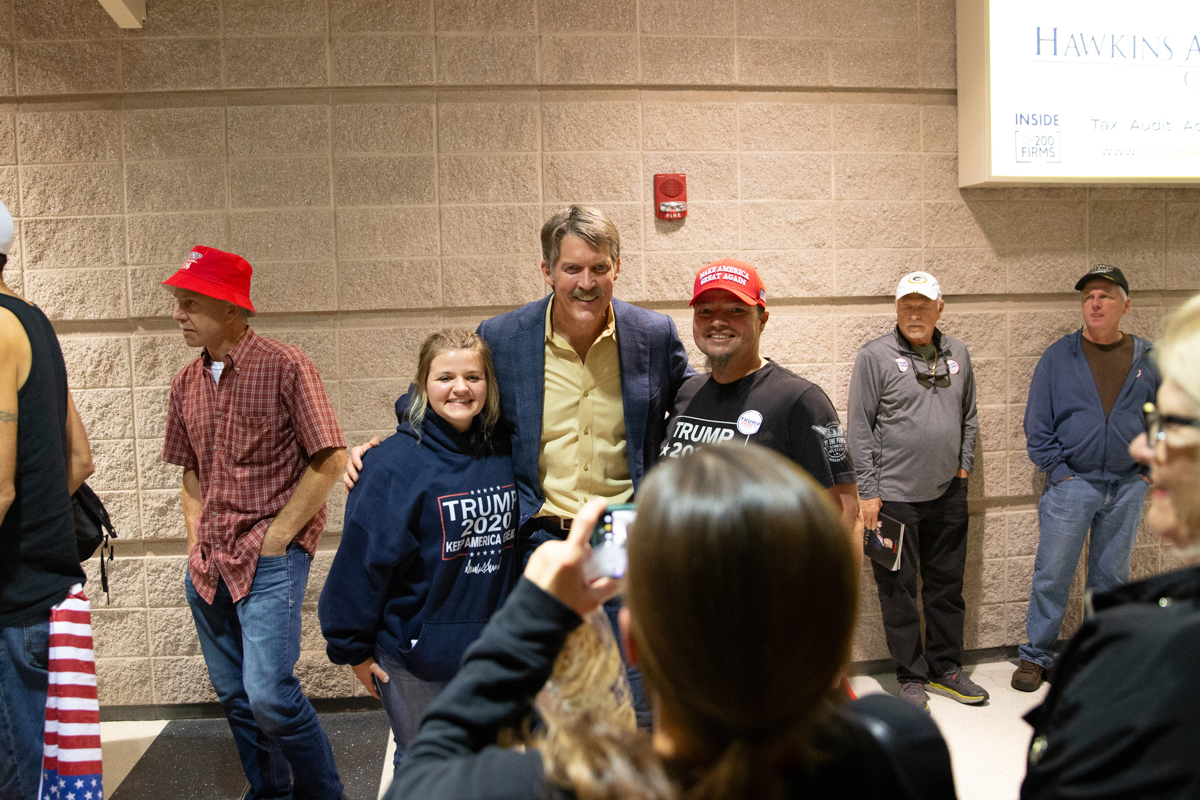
[{"x": 250, "y": 439}]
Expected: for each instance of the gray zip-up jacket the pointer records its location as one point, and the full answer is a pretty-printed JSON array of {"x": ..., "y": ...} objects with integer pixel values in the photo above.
[{"x": 908, "y": 440}]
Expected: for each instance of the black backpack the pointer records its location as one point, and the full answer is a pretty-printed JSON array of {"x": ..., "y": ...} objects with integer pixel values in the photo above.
[{"x": 93, "y": 528}]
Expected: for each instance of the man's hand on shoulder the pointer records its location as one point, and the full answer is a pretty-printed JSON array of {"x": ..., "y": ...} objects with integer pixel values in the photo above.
[{"x": 354, "y": 463}]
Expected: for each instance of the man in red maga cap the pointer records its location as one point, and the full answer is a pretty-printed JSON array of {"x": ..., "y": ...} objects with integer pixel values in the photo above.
[
  {"x": 260, "y": 448},
  {"x": 748, "y": 398}
]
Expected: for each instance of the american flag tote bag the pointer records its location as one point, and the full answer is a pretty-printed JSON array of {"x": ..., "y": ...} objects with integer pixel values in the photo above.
[{"x": 71, "y": 768}]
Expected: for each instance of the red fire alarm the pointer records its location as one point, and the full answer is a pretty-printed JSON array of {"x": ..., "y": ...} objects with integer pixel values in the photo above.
[{"x": 670, "y": 195}]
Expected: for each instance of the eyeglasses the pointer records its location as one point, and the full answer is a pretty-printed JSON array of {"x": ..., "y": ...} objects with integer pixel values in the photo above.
[
  {"x": 1156, "y": 423},
  {"x": 940, "y": 380}
]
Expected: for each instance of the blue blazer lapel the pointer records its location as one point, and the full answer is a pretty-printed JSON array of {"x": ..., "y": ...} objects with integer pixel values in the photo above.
[
  {"x": 634, "y": 355},
  {"x": 528, "y": 352},
  {"x": 531, "y": 349}
]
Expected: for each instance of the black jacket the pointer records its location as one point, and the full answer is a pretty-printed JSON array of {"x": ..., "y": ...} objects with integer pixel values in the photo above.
[
  {"x": 454, "y": 756},
  {"x": 1122, "y": 718}
]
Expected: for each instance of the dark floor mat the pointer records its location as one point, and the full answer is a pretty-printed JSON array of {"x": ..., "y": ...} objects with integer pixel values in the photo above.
[
  {"x": 192, "y": 759},
  {"x": 195, "y": 759},
  {"x": 359, "y": 740}
]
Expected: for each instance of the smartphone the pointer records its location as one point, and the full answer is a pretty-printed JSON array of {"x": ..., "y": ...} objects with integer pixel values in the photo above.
[{"x": 609, "y": 558}]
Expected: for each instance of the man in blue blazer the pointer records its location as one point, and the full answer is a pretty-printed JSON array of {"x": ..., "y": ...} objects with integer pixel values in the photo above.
[
  {"x": 586, "y": 382},
  {"x": 579, "y": 428}
]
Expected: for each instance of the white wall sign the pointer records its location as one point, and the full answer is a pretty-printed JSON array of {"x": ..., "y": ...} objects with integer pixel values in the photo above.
[{"x": 1072, "y": 91}]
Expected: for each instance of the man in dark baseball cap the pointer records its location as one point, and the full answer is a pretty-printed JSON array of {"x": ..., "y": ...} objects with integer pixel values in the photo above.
[
  {"x": 1085, "y": 407},
  {"x": 1103, "y": 271},
  {"x": 259, "y": 443}
]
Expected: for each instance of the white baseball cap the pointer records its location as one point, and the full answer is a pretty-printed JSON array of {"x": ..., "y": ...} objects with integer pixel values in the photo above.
[
  {"x": 919, "y": 283},
  {"x": 6, "y": 230}
]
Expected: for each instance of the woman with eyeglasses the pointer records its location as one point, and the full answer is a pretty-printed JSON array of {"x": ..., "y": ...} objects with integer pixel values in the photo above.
[{"x": 1122, "y": 718}]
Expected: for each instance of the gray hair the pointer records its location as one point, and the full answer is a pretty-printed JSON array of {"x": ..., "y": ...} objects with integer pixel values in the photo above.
[{"x": 590, "y": 224}]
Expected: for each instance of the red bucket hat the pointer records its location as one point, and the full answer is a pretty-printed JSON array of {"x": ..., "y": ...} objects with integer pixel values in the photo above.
[
  {"x": 215, "y": 273},
  {"x": 734, "y": 276}
]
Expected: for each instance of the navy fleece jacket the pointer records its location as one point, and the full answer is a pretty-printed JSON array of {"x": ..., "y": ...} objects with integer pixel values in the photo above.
[
  {"x": 1065, "y": 430},
  {"x": 428, "y": 550}
]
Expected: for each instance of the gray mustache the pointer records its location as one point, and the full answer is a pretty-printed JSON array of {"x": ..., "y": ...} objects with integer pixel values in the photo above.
[{"x": 585, "y": 294}]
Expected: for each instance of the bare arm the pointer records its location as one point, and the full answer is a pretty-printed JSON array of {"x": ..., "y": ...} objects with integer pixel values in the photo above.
[
  {"x": 322, "y": 473},
  {"x": 8, "y": 439},
  {"x": 13, "y": 361},
  {"x": 79, "y": 452},
  {"x": 845, "y": 497},
  {"x": 192, "y": 504}
]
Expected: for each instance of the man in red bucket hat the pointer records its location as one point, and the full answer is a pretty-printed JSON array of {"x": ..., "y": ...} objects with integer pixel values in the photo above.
[{"x": 260, "y": 447}]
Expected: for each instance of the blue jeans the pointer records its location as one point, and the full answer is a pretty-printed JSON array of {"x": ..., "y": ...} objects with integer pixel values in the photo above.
[
  {"x": 250, "y": 648},
  {"x": 24, "y": 658},
  {"x": 1112, "y": 510},
  {"x": 405, "y": 699}
]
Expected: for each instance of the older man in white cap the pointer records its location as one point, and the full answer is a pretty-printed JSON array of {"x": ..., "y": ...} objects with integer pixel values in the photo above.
[{"x": 912, "y": 437}]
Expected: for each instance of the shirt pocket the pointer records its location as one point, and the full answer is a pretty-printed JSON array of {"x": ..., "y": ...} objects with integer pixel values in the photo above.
[{"x": 256, "y": 441}]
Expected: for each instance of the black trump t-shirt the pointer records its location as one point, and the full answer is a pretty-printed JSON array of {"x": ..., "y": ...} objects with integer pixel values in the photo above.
[{"x": 771, "y": 407}]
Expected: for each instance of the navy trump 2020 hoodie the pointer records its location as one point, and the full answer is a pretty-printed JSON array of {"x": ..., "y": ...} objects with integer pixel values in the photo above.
[{"x": 428, "y": 549}]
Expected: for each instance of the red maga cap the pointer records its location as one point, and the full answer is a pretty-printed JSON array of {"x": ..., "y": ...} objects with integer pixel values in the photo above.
[
  {"x": 733, "y": 276},
  {"x": 215, "y": 273}
]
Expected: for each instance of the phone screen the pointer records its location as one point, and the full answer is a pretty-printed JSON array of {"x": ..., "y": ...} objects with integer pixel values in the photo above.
[{"x": 609, "y": 557}]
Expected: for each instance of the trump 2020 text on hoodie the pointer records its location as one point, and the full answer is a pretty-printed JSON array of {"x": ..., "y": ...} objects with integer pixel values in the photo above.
[{"x": 428, "y": 550}]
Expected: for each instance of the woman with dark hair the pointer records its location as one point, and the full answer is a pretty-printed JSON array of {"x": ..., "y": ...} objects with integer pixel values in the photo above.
[
  {"x": 740, "y": 605},
  {"x": 1122, "y": 717},
  {"x": 428, "y": 545}
]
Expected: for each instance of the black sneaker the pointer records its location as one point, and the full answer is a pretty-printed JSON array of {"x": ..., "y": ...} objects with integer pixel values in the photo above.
[
  {"x": 914, "y": 692},
  {"x": 958, "y": 687}
]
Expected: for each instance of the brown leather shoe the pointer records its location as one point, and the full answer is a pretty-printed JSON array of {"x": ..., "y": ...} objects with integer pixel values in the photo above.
[{"x": 1028, "y": 676}]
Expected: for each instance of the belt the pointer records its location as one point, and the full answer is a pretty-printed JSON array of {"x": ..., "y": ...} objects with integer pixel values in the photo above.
[{"x": 550, "y": 523}]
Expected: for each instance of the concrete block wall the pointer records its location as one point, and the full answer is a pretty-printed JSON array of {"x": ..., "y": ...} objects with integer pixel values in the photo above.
[{"x": 386, "y": 165}]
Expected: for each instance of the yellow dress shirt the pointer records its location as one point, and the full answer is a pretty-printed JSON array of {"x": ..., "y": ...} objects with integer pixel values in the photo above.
[{"x": 583, "y": 424}]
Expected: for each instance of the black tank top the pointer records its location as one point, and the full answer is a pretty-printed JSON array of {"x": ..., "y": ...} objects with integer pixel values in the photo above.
[{"x": 39, "y": 560}]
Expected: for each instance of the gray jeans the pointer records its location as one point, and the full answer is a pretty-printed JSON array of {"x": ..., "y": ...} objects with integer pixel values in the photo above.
[{"x": 405, "y": 699}]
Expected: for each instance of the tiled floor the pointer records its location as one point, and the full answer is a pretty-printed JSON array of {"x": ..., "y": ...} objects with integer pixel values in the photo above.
[{"x": 987, "y": 743}]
